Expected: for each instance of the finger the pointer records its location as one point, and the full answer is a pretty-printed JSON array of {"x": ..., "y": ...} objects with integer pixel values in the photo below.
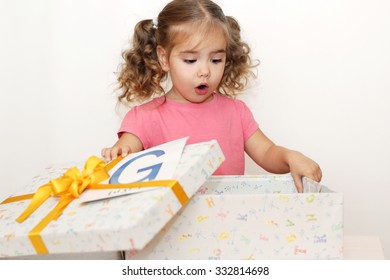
[
  {"x": 106, "y": 154},
  {"x": 298, "y": 183},
  {"x": 114, "y": 153},
  {"x": 125, "y": 151},
  {"x": 319, "y": 175},
  {"x": 316, "y": 175}
]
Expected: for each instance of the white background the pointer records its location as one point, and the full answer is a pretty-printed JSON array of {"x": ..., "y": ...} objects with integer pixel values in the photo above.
[{"x": 323, "y": 88}]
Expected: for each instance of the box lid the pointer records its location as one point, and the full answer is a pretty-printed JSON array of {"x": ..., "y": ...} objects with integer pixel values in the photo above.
[{"x": 122, "y": 223}]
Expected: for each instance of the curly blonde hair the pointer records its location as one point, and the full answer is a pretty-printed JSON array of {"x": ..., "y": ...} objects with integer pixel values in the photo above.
[{"x": 141, "y": 75}]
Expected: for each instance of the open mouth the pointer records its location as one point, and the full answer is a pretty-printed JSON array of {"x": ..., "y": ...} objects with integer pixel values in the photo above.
[{"x": 202, "y": 87}]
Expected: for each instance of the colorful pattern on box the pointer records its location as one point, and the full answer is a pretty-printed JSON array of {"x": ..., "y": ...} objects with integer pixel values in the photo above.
[{"x": 254, "y": 217}]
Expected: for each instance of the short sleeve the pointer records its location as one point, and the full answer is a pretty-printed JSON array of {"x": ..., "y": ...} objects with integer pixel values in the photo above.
[
  {"x": 249, "y": 124},
  {"x": 133, "y": 123}
]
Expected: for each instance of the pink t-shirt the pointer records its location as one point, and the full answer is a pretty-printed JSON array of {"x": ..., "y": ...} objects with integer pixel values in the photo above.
[{"x": 227, "y": 120}]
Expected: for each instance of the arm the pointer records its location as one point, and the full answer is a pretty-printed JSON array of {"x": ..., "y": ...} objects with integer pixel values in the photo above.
[
  {"x": 128, "y": 143},
  {"x": 277, "y": 159}
]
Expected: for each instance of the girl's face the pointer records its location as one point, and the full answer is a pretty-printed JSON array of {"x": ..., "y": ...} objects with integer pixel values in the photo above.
[{"x": 195, "y": 66}]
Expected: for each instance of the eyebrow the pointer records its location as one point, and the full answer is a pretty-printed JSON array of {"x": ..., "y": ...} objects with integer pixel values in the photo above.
[{"x": 193, "y": 52}]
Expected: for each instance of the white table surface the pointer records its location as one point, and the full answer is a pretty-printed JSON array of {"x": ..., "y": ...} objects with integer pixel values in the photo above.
[{"x": 363, "y": 248}]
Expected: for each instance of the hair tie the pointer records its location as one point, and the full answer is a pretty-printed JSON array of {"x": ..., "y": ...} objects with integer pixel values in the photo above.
[{"x": 155, "y": 23}]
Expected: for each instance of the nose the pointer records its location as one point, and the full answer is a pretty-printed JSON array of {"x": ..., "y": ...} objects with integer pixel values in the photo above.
[{"x": 204, "y": 70}]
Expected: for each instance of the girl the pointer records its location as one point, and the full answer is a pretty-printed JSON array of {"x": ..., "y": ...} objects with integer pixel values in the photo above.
[{"x": 201, "y": 50}]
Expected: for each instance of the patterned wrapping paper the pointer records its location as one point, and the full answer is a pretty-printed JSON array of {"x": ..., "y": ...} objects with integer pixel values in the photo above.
[
  {"x": 253, "y": 217},
  {"x": 121, "y": 223}
]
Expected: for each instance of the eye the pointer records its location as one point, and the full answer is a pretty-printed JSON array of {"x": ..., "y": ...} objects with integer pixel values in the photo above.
[
  {"x": 189, "y": 61},
  {"x": 216, "y": 60}
]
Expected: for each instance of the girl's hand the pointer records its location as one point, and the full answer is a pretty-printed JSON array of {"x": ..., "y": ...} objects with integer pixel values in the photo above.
[
  {"x": 112, "y": 153},
  {"x": 279, "y": 160},
  {"x": 128, "y": 143},
  {"x": 302, "y": 166}
]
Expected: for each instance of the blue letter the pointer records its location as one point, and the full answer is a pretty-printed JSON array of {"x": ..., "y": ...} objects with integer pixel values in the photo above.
[{"x": 154, "y": 169}]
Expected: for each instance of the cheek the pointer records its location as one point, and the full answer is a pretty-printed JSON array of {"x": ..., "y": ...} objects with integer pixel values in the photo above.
[
  {"x": 182, "y": 72},
  {"x": 219, "y": 72},
  {"x": 179, "y": 76}
]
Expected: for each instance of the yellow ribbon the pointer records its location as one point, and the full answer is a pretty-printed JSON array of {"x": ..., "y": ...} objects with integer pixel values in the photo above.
[
  {"x": 71, "y": 185},
  {"x": 67, "y": 187}
]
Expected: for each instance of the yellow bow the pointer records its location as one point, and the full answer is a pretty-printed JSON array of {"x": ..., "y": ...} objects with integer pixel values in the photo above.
[{"x": 67, "y": 187}]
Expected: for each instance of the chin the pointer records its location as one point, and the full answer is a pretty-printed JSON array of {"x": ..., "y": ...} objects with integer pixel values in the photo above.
[{"x": 202, "y": 98}]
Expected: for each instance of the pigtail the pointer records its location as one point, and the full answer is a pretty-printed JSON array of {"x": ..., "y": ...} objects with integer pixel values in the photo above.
[
  {"x": 238, "y": 62},
  {"x": 141, "y": 73}
]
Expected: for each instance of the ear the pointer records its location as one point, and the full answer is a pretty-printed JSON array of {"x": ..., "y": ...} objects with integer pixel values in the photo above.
[{"x": 163, "y": 58}]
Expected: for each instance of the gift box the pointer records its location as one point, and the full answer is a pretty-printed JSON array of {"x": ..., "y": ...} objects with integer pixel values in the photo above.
[
  {"x": 253, "y": 217},
  {"x": 111, "y": 222}
]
